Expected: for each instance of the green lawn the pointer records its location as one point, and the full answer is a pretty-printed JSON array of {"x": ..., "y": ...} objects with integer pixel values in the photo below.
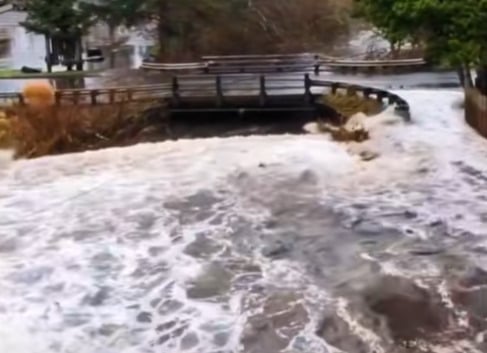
[{"x": 14, "y": 74}]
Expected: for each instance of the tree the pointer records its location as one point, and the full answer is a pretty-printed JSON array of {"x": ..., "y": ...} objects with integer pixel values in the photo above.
[
  {"x": 56, "y": 17},
  {"x": 187, "y": 28},
  {"x": 452, "y": 31},
  {"x": 182, "y": 23},
  {"x": 114, "y": 13},
  {"x": 63, "y": 23}
]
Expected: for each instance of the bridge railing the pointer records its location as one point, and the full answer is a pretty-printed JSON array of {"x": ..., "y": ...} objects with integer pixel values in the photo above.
[
  {"x": 220, "y": 89},
  {"x": 257, "y": 85},
  {"x": 401, "y": 106},
  {"x": 96, "y": 96},
  {"x": 281, "y": 63}
]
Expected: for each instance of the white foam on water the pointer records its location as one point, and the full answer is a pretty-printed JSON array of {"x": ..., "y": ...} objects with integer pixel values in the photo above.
[{"x": 88, "y": 243}]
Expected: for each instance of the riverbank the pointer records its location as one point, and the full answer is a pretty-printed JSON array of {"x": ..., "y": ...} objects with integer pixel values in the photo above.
[{"x": 35, "y": 131}]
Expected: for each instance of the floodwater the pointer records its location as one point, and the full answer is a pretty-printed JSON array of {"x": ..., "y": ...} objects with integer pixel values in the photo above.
[{"x": 253, "y": 244}]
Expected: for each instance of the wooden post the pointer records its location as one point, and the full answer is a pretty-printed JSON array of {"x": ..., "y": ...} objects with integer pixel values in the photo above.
[
  {"x": 307, "y": 89},
  {"x": 334, "y": 88},
  {"x": 262, "y": 91},
  {"x": 317, "y": 65},
  {"x": 367, "y": 92},
  {"x": 380, "y": 96},
  {"x": 75, "y": 97},
  {"x": 21, "y": 99},
  {"x": 93, "y": 95},
  {"x": 175, "y": 90},
  {"x": 219, "y": 91},
  {"x": 58, "y": 96},
  {"x": 111, "y": 95}
]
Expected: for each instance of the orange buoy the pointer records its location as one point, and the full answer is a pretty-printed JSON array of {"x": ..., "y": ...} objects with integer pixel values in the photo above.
[{"x": 38, "y": 94}]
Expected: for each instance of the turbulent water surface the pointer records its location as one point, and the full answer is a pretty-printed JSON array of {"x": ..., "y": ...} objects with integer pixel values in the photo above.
[{"x": 256, "y": 244}]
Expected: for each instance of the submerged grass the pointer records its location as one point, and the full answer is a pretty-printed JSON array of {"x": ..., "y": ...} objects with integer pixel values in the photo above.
[{"x": 351, "y": 103}]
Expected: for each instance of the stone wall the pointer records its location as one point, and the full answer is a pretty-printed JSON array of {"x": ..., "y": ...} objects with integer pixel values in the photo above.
[{"x": 476, "y": 111}]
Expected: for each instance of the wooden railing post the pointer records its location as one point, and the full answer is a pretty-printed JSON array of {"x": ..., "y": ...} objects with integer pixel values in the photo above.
[
  {"x": 219, "y": 91},
  {"x": 307, "y": 89},
  {"x": 262, "y": 90},
  {"x": 58, "y": 96},
  {"x": 380, "y": 96},
  {"x": 367, "y": 92},
  {"x": 111, "y": 96},
  {"x": 175, "y": 90},
  {"x": 75, "y": 97},
  {"x": 334, "y": 88},
  {"x": 317, "y": 65},
  {"x": 93, "y": 94}
]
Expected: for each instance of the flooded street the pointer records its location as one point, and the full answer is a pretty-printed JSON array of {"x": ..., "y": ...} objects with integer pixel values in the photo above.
[{"x": 253, "y": 244}]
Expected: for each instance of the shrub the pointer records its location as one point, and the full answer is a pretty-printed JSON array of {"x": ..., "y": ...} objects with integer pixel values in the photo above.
[
  {"x": 38, "y": 131},
  {"x": 38, "y": 94},
  {"x": 39, "y": 127},
  {"x": 5, "y": 131}
]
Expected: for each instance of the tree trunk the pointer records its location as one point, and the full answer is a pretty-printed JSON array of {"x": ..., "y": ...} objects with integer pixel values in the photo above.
[
  {"x": 468, "y": 76},
  {"x": 111, "y": 35},
  {"x": 461, "y": 76},
  {"x": 393, "y": 49},
  {"x": 481, "y": 80},
  {"x": 48, "y": 53},
  {"x": 465, "y": 76},
  {"x": 79, "y": 54},
  {"x": 162, "y": 26}
]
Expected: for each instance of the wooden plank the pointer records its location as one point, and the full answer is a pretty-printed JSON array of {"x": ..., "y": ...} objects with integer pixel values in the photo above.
[
  {"x": 256, "y": 56},
  {"x": 291, "y": 61},
  {"x": 174, "y": 67}
]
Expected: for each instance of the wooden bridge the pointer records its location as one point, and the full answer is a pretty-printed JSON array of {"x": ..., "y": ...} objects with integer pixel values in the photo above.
[
  {"x": 226, "y": 93},
  {"x": 241, "y": 84}
]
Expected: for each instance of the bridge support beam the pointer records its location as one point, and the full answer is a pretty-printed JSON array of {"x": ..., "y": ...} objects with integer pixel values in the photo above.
[{"x": 262, "y": 90}]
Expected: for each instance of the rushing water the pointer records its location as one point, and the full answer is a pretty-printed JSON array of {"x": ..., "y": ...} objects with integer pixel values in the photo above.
[{"x": 256, "y": 244}]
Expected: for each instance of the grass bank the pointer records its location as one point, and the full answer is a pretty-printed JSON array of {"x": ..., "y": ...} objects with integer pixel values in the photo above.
[{"x": 34, "y": 132}]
